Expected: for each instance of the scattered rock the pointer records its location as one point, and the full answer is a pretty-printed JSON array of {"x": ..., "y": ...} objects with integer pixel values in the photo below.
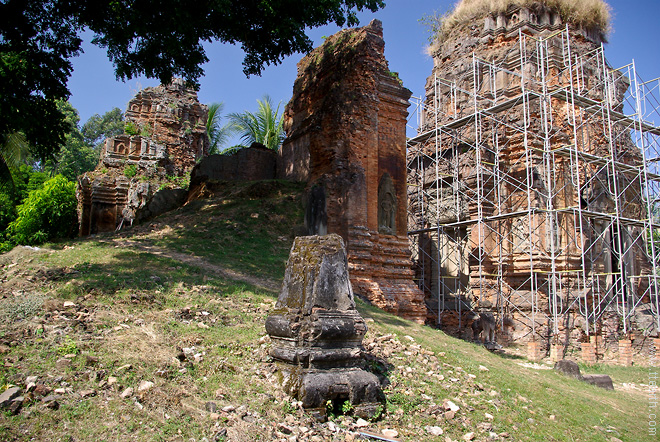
[
  {"x": 126, "y": 393},
  {"x": 361, "y": 423},
  {"x": 211, "y": 407},
  {"x": 112, "y": 381},
  {"x": 389, "y": 432},
  {"x": 482, "y": 368},
  {"x": 31, "y": 380},
  {"x": 87, "y": 393},
  {"x": 489, "y": 416},
  {"x": 228, "y": 409},
  {"x": 62, "y": 363},
  {"x": 145, "y": 385},
  {"x": 8, "y": 396},
  {"x": 568, "y": 368},
  {"x": 469, "y": 436},
  {"x": 69, "y": 304},
  {"x": 16, "y": 404},
  {"x": 599, "y": 380},
  {"x": 51, "y": 401},
  {"x": 450, "y": 406},
  {"x": 41, "y": 390},
  {"x": 434, "y": 431}
]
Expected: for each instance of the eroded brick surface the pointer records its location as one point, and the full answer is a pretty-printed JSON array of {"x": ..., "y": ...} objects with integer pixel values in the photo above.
[
  {"x": 346, "y": 138},
  {"x": 167, "y": 126}
]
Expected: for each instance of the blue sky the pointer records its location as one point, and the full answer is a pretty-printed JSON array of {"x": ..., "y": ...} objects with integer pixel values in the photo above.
[{"x": 635, "y": 36}]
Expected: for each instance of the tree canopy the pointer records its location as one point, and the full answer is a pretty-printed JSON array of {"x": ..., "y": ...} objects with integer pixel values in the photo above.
[{"x": 159, "y": 39}]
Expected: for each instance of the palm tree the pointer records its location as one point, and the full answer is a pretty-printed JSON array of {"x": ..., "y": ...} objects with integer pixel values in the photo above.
[
  {"x": 14, "y": 149},
  {"x": 217, "y": 134},
  {"x": 264, "y": 126}
]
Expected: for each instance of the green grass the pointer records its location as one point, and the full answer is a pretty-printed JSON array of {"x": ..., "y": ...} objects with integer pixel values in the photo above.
[{"x": 142, "y": 307}]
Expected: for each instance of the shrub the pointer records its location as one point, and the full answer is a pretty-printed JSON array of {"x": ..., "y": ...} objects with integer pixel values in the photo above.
[
  {"x": 7, "y": 210},
  {"x": 47, "y": 213},
  {"x": 20, "y": 308},
  {"x": 131, "y": 128},
  {"x": 130, "y": 171}
]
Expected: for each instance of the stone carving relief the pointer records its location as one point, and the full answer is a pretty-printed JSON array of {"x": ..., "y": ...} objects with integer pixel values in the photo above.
[{"x": 387, "y": 208}]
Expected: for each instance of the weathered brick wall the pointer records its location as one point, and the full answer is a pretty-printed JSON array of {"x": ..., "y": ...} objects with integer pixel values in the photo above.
[
  {"x": 168, "y": 135},
  {"x": 249, "y": 164},
  {"x": 346, "y": 120}
]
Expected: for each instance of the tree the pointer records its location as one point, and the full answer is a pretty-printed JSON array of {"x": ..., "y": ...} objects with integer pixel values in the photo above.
[
  {"x": 13, "y": 152},
  {"x": 76, "y": 156},
  {"x": 218, "y": 134},
  {"x": 98, "y": 127},
  {"x": 264, "y": 126},
  {"x": 159, "y": 39}
]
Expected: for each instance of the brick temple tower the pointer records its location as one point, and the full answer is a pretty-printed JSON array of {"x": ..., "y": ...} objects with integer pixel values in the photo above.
[
  {"x": 528, "y": 196},
  {"x": 346, "y": 137}
]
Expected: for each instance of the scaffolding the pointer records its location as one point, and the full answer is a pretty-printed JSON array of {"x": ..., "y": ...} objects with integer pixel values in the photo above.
[{"x": 534, "y": 191}]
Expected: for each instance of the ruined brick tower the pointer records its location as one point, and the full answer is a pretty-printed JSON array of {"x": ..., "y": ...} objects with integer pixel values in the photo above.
[
  {"x": 346, "y": 139},
  {"x": 165, "y": 135},
  {"x": 528, "y": 197}
]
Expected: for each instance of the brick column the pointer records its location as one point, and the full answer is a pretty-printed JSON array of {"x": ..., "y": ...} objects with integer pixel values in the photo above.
[
  {"x": 556, "y": 352},
  {"x": 534, "y": 351},
  {"x": 588, "y": 352},
  {"x": 625, "y": 352}
]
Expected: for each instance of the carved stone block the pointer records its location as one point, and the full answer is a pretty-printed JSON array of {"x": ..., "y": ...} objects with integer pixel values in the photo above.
[{"x": 317, "y": 332}]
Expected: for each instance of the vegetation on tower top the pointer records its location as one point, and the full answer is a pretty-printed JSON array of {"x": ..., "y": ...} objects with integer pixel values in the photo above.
[{"x": 587, "y": 13}]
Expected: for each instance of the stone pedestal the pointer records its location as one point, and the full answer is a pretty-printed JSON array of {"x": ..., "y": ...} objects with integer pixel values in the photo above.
[
  {"x": 625, "y": 352},
  {"x": 317, "y": 331},
  {"x": 534, "y": 351},
  {"x": 556, "y": 352},
  {"x": 588, "y": 353}
]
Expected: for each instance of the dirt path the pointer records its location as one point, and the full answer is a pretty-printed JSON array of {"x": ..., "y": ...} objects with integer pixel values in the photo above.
[{"x": 262, "y": 283}]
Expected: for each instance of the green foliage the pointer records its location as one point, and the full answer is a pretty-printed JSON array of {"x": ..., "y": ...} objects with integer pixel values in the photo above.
[
  {"x": 47, "y": 213},
  {"x": 131, "y": 128},
  {"x": 264, "y": 126},
  {"x": 98, "y": 127},
  {"x": 13, "y": 152},
  {"x": 76, "y": 156},
  {"x": 218, "y": 134},
  {"x": 34, "y": 69},
  {"x": 7, "y": 210},
  {"x": 130, "y": 171},
  {"x": 35, "y": 51},
  {"x": 20, "y": 308},
  {"x": 68, "y": 347},
  {"x": 347, "y": 407}
]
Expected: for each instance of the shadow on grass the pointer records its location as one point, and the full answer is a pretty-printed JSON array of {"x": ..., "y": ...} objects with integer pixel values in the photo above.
[
  {"x": 379, "y": 315},
  {"x": 139, "y": 276}
]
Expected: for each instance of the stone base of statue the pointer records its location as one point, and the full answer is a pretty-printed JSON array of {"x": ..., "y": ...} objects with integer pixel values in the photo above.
[{"x": 317, "y": 332}]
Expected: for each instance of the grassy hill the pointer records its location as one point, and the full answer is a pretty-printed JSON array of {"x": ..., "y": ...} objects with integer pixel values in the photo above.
[{"x": 157, "y": 333}]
